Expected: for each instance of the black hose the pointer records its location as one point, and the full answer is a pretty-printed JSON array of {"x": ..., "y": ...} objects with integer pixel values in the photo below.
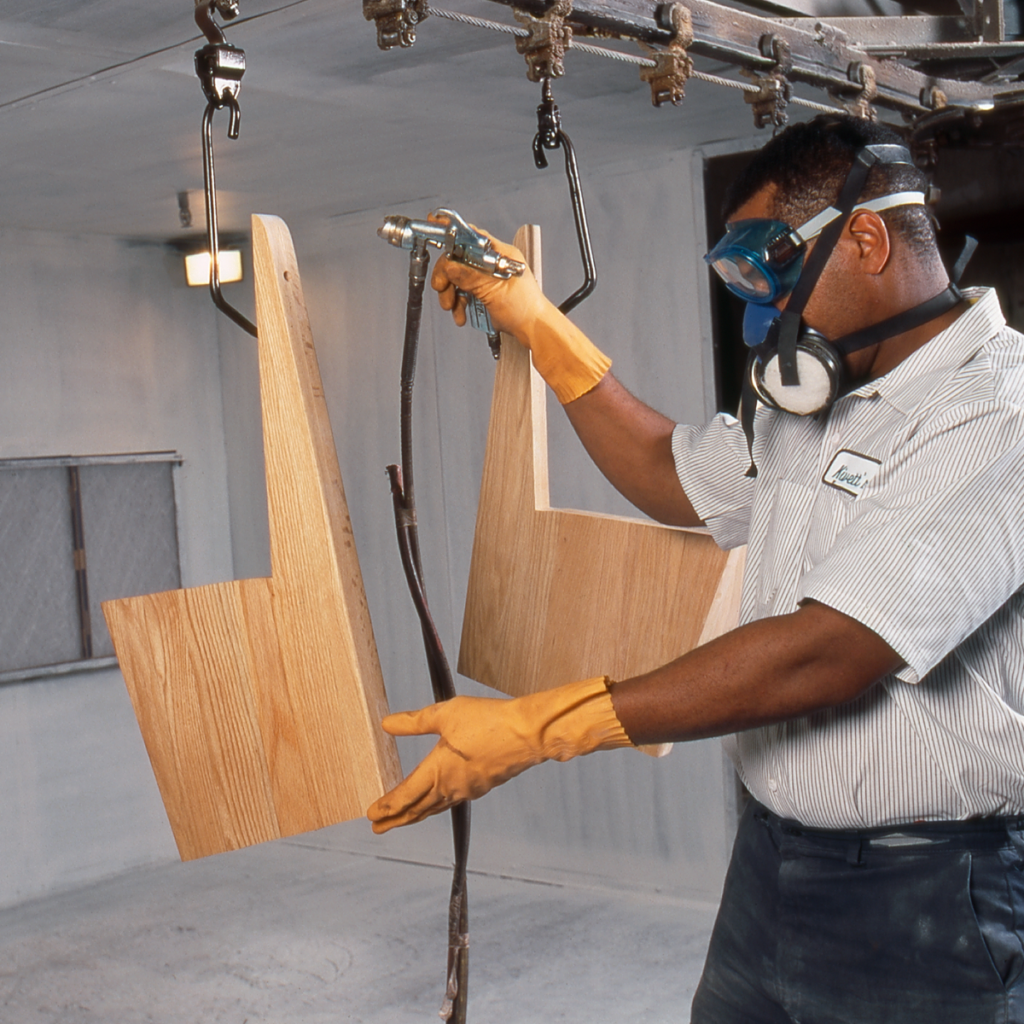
[{"x": 403, "y": 499}]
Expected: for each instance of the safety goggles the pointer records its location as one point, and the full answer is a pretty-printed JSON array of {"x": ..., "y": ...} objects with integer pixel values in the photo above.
[{"x": 760, "y": 259}]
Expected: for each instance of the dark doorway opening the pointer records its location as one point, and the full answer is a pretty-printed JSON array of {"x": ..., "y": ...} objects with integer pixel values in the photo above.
[{"x": 730, "y": 354}]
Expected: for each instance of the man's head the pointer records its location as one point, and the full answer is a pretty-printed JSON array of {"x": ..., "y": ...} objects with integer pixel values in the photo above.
[
  {"x": 862, "y": 271},
  {"x": 803, "y": 169}
]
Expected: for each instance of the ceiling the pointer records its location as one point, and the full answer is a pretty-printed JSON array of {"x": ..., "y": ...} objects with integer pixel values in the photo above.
[
  {"x": 100, "y": 113},
  {"x": 101, "y": 110}
]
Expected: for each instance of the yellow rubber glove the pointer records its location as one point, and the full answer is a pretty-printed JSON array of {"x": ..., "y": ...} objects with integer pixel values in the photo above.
[
  {"x": 485, "y": 741},
  {"x": 564, "y": 356}
]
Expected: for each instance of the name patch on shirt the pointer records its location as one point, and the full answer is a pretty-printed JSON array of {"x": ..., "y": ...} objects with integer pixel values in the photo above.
[{"x": 850, "y": 472}]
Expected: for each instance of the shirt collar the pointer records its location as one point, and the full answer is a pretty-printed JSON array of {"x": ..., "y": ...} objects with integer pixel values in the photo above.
[{"x": 906, "y": 384}]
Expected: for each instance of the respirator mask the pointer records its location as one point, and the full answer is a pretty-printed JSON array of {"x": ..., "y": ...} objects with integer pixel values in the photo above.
[{"x": 793, "y": 367}]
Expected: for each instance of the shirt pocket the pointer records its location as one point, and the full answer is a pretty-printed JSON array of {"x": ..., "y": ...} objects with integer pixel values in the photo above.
[
  {"x": 786, "y": 520},
  {"x": 832, "y": 509}
]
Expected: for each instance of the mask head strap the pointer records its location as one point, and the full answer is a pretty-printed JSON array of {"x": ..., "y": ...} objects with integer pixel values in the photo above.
[
  {"x": 748, "y": 410},
  {"x": 905, "y": 321},
  {"x": 917, "y": 315},
  {"x": 970, "y": 244},
  {"x": 789, "y": 331}
]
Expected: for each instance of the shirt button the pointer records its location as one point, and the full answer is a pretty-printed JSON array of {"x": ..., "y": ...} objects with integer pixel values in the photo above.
[{"x": 773, "y": 785}]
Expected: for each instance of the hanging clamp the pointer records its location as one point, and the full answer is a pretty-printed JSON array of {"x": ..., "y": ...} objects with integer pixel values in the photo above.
[
  {"x": 549, "y": 127},
  {"x": 544, "y": 48},
  {"x": 227, "y": 9},
  {"x": 396, "y": 20},
  {"x": 860, "y": 106},
  {"x": 220, "y": 65},
  {"x": 673, "y": 65},
  {"x": 774, "y": 90}
]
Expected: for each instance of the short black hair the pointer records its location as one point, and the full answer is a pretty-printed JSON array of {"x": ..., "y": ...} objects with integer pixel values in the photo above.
[{"x": 808, "y": 163}]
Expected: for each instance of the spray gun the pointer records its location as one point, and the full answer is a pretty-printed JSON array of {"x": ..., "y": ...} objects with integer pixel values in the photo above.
[{"x": 459, "y": 242}]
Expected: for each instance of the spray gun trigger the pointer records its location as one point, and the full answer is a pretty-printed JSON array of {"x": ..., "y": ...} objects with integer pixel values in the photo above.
[{"x": 477, "y": 315}]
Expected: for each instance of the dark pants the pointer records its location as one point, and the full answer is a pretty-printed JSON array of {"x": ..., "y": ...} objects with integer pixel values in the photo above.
[{"x": 921, "y": 923}]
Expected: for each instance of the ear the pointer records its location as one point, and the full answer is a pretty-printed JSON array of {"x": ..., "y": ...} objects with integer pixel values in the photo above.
[{"x": 871, "y": 236}]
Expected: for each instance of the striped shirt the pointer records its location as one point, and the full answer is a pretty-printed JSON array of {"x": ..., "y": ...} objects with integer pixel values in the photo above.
[{"x": 902, "y": 506}]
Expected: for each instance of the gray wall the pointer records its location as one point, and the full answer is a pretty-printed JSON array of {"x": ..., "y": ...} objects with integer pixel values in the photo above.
[
  {"x": 104, "y": 350},
  {"x": 107, "y": 351}
]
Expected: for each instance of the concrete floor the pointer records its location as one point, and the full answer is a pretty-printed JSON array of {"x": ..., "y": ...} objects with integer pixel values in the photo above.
[{"x": 301, "y": 932}]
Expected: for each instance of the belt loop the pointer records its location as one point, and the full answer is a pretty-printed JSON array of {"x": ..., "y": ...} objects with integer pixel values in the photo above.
[{"x": 853, "y": 852}]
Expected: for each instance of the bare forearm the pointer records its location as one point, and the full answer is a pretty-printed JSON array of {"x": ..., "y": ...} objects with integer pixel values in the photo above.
[
  {"x": 767, "y": 671},
  {"x": 631, "y": 444},
  {"x": 629, "y": 441}
]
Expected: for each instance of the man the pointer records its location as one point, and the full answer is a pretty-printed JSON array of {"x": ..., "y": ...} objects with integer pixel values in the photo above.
[{"x": 876, "y": 684}]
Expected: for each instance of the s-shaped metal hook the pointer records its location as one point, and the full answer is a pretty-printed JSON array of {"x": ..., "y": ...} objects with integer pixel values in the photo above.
[
  {"x": 220, "y": 67},
  {"x": 550, "y": 136}
]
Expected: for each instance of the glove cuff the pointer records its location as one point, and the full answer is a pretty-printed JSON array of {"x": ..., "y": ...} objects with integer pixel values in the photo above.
[
  {"x": 575, "y": 719},
  {"x": 565, "y": 357}
]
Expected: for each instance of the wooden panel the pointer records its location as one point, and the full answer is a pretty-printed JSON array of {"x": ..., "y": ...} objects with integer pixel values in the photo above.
[
  {"x": 556, "y": 595},
  {"x": 260, "y": 700}
]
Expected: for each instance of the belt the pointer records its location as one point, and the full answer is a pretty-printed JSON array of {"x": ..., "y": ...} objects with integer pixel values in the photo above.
[{"x": 975, "y": 833}]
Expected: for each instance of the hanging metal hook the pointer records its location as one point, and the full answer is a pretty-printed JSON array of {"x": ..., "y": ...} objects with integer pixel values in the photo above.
[
  {"x": 220, "y": 67},
  {"x": 227, "y": 9},
  {"x": 212, "y": 233},
  {"x": 550, "y": 136}
]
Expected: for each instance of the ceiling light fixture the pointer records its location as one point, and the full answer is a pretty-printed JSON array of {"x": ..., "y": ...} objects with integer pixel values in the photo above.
[{"x": 229, "y": 267}]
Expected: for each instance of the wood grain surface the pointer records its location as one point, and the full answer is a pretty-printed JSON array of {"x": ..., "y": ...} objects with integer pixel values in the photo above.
[
  {"x": 260, "y": 700},
  {"x": 556, "y": 595}
]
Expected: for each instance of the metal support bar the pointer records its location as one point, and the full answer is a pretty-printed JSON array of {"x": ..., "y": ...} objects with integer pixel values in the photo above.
[
  {"x": 988, "y": 20},
  {"x": 897, "y": 36},
  {"x": 630, "y": 19},
  {"x": 81, "y": 571}
]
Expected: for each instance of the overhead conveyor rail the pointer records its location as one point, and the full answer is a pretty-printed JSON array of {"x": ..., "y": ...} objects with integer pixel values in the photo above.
[
  {"x": 914, "y": 65},
  {"x": 624, "y": 57}
]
